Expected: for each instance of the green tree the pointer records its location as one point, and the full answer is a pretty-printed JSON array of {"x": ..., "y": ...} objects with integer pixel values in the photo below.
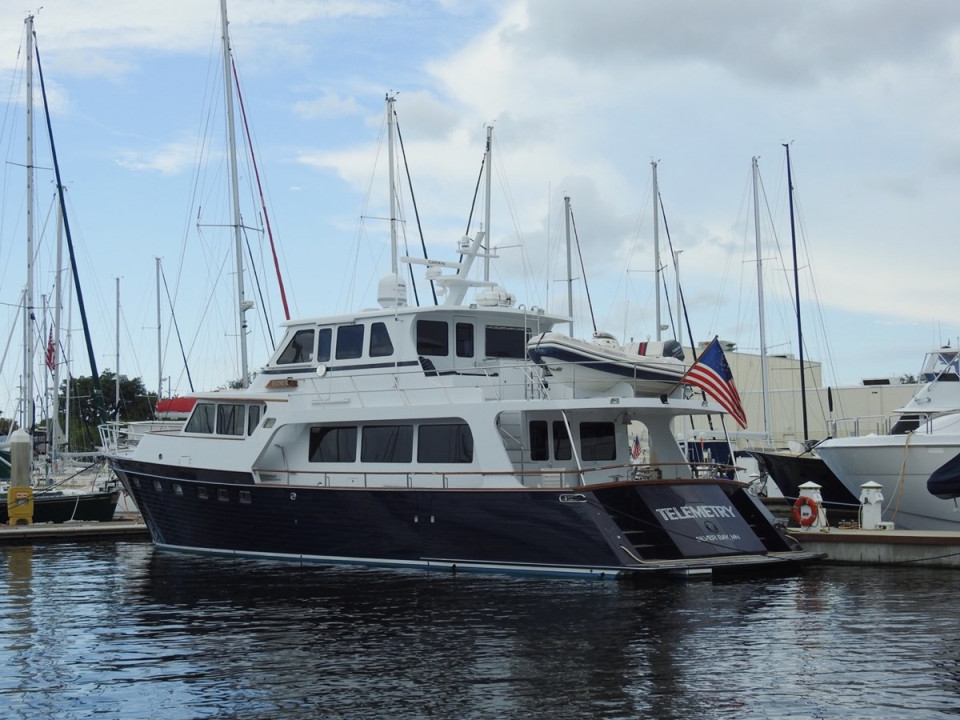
[{"x": 85, "y": 415}]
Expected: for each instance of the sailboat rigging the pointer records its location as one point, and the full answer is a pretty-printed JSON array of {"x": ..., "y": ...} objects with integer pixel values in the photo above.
[{"x": 50, "y": 504}]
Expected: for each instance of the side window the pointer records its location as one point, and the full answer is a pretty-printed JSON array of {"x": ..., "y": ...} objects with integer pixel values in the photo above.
[
  {"x": 333, "y": 444},
  {"x": 387, "y": 443},
  {"x": 230, "y": 419},
  {"x": 203, "y": 419},
  {"x": 380, "y": 345},
  {"x": 299, "y": 349},
  {"x": 451, "y": 443},
  {"x": 432, "y": 338},
  {"x": 506, "y": 342},
  {"x": 538, "y": 440},
  {"x": 562, "y": 449},
  {"x": 253, "y": 417},
  {"x": 464, "y": 339},
  {"x": 598, "y": 441},
  {"x": 349, "y": 342},
  {"x": 323, "y": 345}
]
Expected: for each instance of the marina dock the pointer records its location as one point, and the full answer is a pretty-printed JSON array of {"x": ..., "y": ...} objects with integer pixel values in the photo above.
[
  {"x": 931, "y": 548},
  {"x": 72, "y": 531}
]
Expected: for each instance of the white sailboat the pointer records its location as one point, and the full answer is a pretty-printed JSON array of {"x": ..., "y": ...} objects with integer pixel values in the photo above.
[{"x": 63, "y": 490}]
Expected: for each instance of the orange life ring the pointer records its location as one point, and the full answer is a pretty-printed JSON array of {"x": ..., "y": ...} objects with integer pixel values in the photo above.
[{"x": 805, "y": 520}]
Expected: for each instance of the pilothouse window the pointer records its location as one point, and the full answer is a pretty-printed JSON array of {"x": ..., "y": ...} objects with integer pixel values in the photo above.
[
  {"x": 432, "y": 338},
  {"x": 203, "y": 419},
  {"x": 299, "y": 349},
  {"x": 464, "y": 340},
  {"x": 230, "y": 419},
  {"x": 380, "y": 344},
  {"x": 323, "y": 345},
  {"x": 349, "y": 342}
]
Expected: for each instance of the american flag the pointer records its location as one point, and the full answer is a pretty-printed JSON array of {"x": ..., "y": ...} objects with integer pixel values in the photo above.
[
  {"x": 51, "y": 357},
  {"x": 636, "y": 450},
  {"x": 711, "y": 373}
]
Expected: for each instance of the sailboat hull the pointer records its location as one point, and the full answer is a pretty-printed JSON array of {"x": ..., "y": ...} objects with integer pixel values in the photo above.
[{"x": 59, "y": 507}]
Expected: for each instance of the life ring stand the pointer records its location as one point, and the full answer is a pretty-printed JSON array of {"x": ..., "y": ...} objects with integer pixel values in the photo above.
[{"x": 805, "y": 521}]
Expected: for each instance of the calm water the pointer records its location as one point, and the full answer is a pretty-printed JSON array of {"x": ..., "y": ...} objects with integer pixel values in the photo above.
[{"x": 118, "y": 630}]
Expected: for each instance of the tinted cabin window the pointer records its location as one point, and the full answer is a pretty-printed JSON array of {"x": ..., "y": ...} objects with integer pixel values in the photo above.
[
  {"x": 333, "y": 444},
  {"x": 538, "y": 440},
  {"x": 464, "y": 339},
  {"x": 299, "y": 349},
  {"x": 230, "y": 419},
  {"x": 432, "y": 338},
  {"x": 349, "y": 342},
  {"x": 561, "y": 441},
  {"x": 203, "y": 419},
  {"x": 323, "y": 345},
  {"x": 445, "y": 444},
  {"x": 253, "y": 418},
  {"x": 598, "y": 441},
  {"x": 387, "y": 443},
  {"x": 380, "y": 345},
  {"x": 506, "y": 342}
]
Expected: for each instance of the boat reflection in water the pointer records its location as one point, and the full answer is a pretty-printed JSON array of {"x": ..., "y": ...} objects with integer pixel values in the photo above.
[{"x": 217, "y": 637}]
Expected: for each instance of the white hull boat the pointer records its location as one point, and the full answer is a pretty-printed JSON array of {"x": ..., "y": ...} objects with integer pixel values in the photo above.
[{"x": 925, "y": 437}]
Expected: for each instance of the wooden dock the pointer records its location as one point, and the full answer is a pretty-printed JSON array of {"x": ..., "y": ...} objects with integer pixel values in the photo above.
[
  {"x": 929, "y": 548},
  {"x": 72, "y": 531}
]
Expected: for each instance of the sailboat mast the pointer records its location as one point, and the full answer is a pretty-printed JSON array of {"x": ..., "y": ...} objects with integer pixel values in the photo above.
[
  {"x": 116, "y": 380},
  {"x": 796, "y": 285},
  {"x": 159, "y": 338},
  {"x": 656, "y": 247},
  {"x": 488, "y": 161},
  {"x": 242, "y": 304},
  {"x": 54, "y": 349},
  {"x": 566, "y": 217},
  {"x": 28, "y": 310},
  {"x": 394, "y": 265},
  {"x": 764, "y": 362}
]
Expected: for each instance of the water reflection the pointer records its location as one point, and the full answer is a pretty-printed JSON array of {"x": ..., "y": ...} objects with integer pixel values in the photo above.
[{"x": 120, "y": 630}]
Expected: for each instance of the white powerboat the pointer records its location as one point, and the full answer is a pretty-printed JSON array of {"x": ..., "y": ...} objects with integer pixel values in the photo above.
[
  {"x": 924, "y": 437},
  {"x": 425, "y": 437}
]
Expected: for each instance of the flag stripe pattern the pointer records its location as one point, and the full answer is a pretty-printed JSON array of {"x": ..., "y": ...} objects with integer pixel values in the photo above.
[
  {"x": 51, "y": 357},
  {"x": 711, "y": 373}
]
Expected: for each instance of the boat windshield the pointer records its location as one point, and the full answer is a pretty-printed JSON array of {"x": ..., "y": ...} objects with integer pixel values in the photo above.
[{"x": 941, "y": 365}]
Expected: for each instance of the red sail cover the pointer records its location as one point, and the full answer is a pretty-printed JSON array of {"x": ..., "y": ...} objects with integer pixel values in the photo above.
[{"x": 175, "y": 407}]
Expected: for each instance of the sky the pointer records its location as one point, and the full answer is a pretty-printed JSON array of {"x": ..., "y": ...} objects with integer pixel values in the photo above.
[{"x": 582, "y": 97}]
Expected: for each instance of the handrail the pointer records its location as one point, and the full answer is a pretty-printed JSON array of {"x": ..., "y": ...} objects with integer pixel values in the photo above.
[{"x": 652, "y": 473}]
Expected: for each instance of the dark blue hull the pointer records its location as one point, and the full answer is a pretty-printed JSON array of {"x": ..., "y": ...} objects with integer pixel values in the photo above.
[
  {"x": 944, "y": 482},
  {"x": 58, "y": 507},
  {"x": 789, "y": 472},
  {"x": 603, "y": 530}
]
